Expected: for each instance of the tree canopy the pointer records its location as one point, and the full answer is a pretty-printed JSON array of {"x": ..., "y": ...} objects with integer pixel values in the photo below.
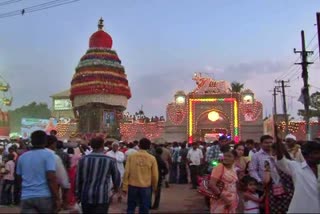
[
  {"x": 33, "y": 110},
  {"x": 236, "y": 87}
]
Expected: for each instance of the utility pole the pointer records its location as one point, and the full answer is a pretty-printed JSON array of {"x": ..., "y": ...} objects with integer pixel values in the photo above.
[
  {"x": 305, "y": 90},
  {"x": 318, "y": 27},
  {"x": 284, "y": 104},
  {"x": 275, "y": 127}
]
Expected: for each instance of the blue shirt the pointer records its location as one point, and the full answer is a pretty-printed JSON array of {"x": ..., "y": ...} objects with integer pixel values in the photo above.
[{"x": 32, "y": 167}]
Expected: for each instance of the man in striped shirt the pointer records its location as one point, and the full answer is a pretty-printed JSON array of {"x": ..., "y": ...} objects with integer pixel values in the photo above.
[{"x": 93, "y": 179}]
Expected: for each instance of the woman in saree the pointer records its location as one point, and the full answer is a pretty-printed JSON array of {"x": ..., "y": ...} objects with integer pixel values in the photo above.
[{"x": 227, "y": 201}]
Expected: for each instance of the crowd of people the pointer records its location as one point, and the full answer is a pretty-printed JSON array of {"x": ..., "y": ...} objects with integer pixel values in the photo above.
[
  {"x": 248, "y": 177},
  {"x": 279, "y": 177}
]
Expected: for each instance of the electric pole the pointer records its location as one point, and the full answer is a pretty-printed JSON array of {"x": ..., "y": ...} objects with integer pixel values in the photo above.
[
  {"x": 318, "y": 27},
  {"x": 284, "y": 104},
  {"x": 275, "y": 127},
  {"x": 305, "y": 90}
]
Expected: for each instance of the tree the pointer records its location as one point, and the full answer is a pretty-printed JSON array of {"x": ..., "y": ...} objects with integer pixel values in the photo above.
[
  {"x": 236, "y": 87},
  {"x": 33, "y": 110}
]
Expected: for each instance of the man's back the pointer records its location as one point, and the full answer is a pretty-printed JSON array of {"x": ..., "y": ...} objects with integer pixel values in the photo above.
[
  {"x": 93, "y": 178},
  {"x": 162, "y": 168},
  {"x": 166, "y": 155},
  {"x": 141, "y": 170},
  {"x": 33, "y": 166},
  {"x": 64, "y": 157}
]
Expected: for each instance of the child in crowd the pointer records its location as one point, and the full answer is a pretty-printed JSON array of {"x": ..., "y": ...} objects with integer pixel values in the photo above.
[{"x": 252, "y": 200}]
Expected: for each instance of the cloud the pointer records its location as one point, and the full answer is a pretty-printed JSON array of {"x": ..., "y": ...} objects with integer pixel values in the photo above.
[
  {"x": 155, "y": 90},
  {"x": 245, "y": 71}
]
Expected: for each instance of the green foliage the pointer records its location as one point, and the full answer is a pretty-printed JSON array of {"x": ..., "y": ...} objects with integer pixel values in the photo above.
[
  {"x": 236, "y": 87},
  {"x": 33, "y": 110},
  {"x": 313, "y": 113}
]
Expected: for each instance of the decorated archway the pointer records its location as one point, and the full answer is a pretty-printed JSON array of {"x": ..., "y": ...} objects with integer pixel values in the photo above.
[
  {"x": 213, "y": 121},
  {"x": 194, "y": 104}
]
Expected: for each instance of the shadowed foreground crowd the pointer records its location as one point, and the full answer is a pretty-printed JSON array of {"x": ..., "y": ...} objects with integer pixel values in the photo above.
[{"x": 248, "y": 177}]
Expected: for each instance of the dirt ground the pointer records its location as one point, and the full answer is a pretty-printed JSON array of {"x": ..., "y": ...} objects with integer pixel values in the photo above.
[{"x": 176, "y": 199}]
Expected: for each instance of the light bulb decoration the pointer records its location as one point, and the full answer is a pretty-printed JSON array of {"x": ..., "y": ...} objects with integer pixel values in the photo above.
[{"x": 235, "y": 111}]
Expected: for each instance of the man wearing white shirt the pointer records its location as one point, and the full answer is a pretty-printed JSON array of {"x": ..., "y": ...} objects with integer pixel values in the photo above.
[
  {"x": 119, "y": 157},
  {"x": 293, "y": 148},
  {"x": 195, "y": 158},
  {"x": 306, "y": 178}
]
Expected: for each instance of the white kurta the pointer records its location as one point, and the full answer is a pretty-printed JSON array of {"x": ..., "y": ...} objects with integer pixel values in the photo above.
[
  {"x": 306, "y": 198},
  {"x": 119, "y": 156},
  {"x": 129, "y": 152}
]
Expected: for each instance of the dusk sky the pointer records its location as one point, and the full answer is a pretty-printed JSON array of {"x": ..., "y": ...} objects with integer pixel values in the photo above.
[{"x": 161, "y": 44}]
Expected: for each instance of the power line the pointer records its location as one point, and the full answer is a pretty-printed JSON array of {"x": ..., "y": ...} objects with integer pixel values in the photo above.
[
  {"x": 294, "y": 73},
  {"x": 314, "y": 87},
  {"x": 9, "y": 2},
  {"x": 291, "y": 67},
  {"x": 314, "y": 36},
  {"x": 38, "y": 7}
]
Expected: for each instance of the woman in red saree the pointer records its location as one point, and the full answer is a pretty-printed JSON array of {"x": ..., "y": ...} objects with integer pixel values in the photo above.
[
  {"x": 228, "y": 200},
  {"x": 72, "y": 176}
]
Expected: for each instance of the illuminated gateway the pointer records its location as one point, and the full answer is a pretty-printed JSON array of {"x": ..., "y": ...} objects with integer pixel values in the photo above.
[{"x": 207, "y": 112}]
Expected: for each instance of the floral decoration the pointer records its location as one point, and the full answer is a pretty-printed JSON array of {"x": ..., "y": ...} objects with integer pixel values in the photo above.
[
  {"x": 176, "y": 113},
  {"x": 100, "y": 72}
]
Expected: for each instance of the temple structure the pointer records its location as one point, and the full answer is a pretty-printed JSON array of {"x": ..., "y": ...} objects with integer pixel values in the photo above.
[
  {"x": 99, "y": 94},
  {"x": 99, "y": 87}
]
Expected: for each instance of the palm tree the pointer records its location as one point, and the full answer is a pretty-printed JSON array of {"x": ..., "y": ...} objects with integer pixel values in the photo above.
[{"x": 236, "y": 87}]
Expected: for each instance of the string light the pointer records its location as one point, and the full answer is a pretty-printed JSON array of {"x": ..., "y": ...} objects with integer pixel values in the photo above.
[
  {"x": 253, "y": 110},
  {"x": 176, "y": 113},
  {"x": 152, "y": 130}
]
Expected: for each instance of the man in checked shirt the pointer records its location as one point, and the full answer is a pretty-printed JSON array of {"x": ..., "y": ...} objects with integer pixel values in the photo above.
[{"x": 212, "y": 154}]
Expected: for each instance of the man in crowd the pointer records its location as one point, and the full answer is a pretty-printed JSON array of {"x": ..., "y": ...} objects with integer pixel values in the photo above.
[
  {"x": 136, "y": 145},
  {"x": 249, "y": 149},
  {"x": 163, "y": 171},
  {"x": 36, "y": 170},
  {"x": 140, "y": 178},
  {"x": 63, "y": 155},
  {"x": 183, "y": 173},
  {"x": 173, "y": 177},
  {"x": 305, "y": 175},
  {"x": 257, "y": 164},
  {"x": 94, "y": 172},
  {"x": 293, "y": 148},
  {"x": 130, "y": 150},
  {"x": 195, "y": 158},
  {"x": 53, "y": 132},
  {"x": 61, "y": 173},
  {"x": 166, "y": 157},
  {"x": 213, "y": 154},
  {"x": 119, "y": 158}
]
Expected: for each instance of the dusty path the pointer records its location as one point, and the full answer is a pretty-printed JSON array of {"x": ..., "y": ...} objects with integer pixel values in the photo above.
[{"x": 176, "y": 199}]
